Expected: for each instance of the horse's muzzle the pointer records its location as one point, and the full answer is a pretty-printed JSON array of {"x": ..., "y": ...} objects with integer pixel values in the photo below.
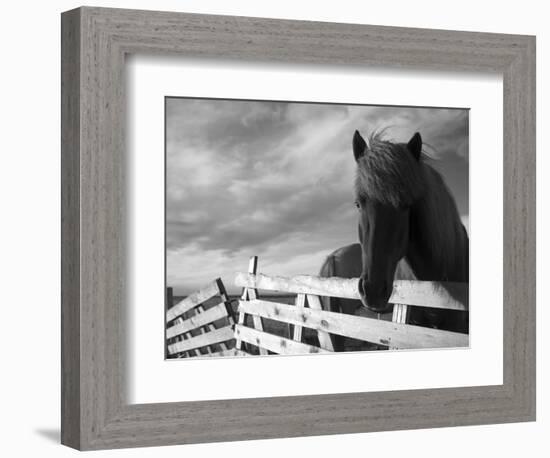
[{"x": 375, "y": 296}]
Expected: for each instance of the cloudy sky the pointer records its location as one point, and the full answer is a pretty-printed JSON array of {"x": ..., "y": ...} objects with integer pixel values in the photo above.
[{"x": 275, "y": 179}]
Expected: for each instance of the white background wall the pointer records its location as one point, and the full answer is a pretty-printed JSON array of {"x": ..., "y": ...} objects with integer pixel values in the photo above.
[{"x": 29, "y": 239}]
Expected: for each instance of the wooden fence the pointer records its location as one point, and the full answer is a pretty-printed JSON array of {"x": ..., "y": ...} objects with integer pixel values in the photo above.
[
  {"x": 307, "y": 313},
  {"x": 194, "y": 328}
]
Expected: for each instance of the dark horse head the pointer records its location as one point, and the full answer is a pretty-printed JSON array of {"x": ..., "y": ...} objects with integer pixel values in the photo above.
[{"x": 405, "y": 211}]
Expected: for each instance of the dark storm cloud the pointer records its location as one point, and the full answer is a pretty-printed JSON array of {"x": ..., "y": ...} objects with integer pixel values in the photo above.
[{"x": 275, "y": 180}]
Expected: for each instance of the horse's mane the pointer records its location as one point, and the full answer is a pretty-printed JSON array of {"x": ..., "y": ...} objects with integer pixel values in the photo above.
[{"x": 388, "y": 173}]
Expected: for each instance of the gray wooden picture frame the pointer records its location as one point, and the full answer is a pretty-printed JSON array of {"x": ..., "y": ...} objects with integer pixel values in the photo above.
[{"x": 95, "y": 413}]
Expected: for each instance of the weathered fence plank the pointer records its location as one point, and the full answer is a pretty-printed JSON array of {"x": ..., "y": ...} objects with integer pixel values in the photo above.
[
  {"x": 300, "y": 303},
  {"x": 203, "y": 340},
  {"x": 367, "y": 329},
  {"x": 192, "y": 301},
  {"x": 301, "y": 284},
  {"x": 225, "y": 300},
  {"x": 206, "y": 328},
  {"x": 250, "y": 294},
  {"x": 200, "y": 319},
  {"x": 276, "y": 344},
  {"x": 400, "y": 315},
  {"x": 444, "y": 295},
  {"x": 257, "y": 320},
  {"x": 324, "y": 337}
]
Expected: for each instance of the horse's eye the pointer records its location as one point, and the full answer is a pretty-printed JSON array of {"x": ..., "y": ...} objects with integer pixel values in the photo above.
[{"x": 357, "y": 204}]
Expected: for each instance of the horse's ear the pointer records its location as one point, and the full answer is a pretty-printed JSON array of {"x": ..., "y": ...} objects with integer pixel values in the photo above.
[
  {"x": 359, "y": 145},
  {"x": 415, "y": 145}
]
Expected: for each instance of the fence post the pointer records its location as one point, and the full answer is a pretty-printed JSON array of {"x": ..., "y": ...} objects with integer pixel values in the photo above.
[
  {"x": 324, "y": 337},
  {"x": 250, "y": 294},
  {"x": 226, "y": 300},
  {"x": 210, "y": 327},
  {"x": 203, "y": 330},
  {"x": 300, "y": 302},
  {"x": 400, "y": 315}
]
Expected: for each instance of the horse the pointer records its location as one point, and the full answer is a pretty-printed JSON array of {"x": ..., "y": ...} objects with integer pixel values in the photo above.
[{"x": 409, "y": 229}]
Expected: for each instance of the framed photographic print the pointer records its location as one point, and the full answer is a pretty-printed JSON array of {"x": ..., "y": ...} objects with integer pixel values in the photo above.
[{"x": 329, "y": 226}]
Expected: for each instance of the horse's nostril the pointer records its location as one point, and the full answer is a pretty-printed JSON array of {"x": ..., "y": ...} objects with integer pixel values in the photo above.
[{"x": 360, "y": 287}]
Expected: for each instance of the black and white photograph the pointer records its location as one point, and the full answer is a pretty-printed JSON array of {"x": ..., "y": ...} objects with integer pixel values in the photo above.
[
  {"x": 270, "y": 229},
  {"x": 295, "y": 227}
]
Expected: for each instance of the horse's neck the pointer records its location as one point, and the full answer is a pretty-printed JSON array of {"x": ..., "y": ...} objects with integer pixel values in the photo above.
[{"x": 438, "y": 245}]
